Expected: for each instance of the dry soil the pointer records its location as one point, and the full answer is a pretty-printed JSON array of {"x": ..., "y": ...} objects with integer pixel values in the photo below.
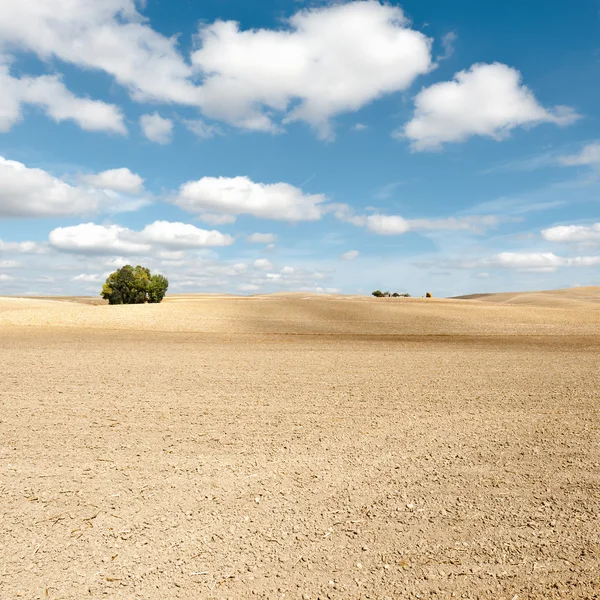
[{"x": 298, "y": 446}]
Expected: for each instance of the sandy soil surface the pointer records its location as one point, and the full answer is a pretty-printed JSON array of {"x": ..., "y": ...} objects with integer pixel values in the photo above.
[
  {"x": 298, "y": 446},
  {"x": 582, "y": 297}
]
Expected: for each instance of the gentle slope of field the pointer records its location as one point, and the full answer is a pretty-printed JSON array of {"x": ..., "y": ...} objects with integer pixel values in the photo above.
[
  {"x": 300, "y": 446},
  {"x": 308, "y": 314},
  {"x": 580, "y": 297}
]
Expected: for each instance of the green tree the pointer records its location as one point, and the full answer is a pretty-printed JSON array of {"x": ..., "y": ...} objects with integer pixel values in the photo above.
[
  {"x": 377, "y": 294},
  {"x": 131, "y": 285},
  {"x": 157, "y": 288}
]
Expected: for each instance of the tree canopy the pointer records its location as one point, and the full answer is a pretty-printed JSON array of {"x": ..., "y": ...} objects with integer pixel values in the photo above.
[
  {"x": 380, "y": 294},
  {"x": 134, "y": 285}
]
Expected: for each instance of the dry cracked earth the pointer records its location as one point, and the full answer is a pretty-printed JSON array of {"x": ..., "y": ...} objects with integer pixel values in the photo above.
[{"x": 301, "y": 447}]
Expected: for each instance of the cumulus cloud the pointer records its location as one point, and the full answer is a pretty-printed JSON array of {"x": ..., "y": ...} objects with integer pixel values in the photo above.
[
  {"x": 262, "y": 238},
  {"x": 386, "y": 224},
  {"x": 26, "y": 247},
  {"x": 89, "y": 238},
  {"x": 397, "y": 225},
  {"x": 263, "y": 263},
  {"x": 50, "y": 94},
  {"x": 110, "y": 36},
  {"x": 487, "y": 100},
  {"x": 573, "y": 233},
  {"x": 350, "y": 255},
  {"x": 323, "y": 62},
  {"x": 88, "y": 278},
  {"x": 156, "y": 128},
  {"x": 242, "y": 196},
  {"x": 183, "y": 235},
  {"x": 327, "y": 61},
  {"x": 541, "y": 262},
  {"x": 118, "y": 180},
  {"x": 261, "y": 276},
  {"x": 589, "y": 155},
  {"x": 27, "y": 192}
]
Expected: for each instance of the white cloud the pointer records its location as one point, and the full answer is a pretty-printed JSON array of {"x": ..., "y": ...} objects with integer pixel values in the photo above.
[
  {"x": 118, "y": 180},
  {"x": 183, "y": 235},
  {"x": 9, "y": 264},
  {"x": 541, "y": 262},
  {"x": 89, "y": 238},
  {"x": 156, "y": 129},
  {"x": 573, "y": 233},
  {"x": 487, "y": 100},
  {"x": 241, "y": 196},
  {"x": 171, "y": 255},
  {"x": 471, "y": 223},
  {"x": 4, "y": 277},
  {"x": 448, "y": 44},
  {"x": 88, "y": 278},
  {"x": 202, "y": 129},
  {"x": 330, "y": 60},
  {"x": 360, "y": 127},
  {"x": 397, "y": 225},
  {"x": 387, "y": 224},
  {"x": 262, "y": 238},
  {"x": 23, "y": 247},
  {"x": 50, "y": 94},
  {"x": 107, "y": 35},
  {"x": 263, "y": 263},
  {"x": 11, "y": 99},
  {"x": 350, "y": 255},
  {"x": 26, "y": 192},
  {"x": 324, "y": 62},
  {"x": 526, "y": 261},
  {"x": 589, "y": 155}
]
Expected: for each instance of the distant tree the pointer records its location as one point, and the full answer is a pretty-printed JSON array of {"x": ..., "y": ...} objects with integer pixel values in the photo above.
[
  {"x": 130, "y": 285},
  {"x": 428, "y": 295},
  {"x": 377, "y": 294},
  {"x": 395, "y": 295}
]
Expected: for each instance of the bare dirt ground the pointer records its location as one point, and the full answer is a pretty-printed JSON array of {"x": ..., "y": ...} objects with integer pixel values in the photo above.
[{"x": 298, "y": 446}]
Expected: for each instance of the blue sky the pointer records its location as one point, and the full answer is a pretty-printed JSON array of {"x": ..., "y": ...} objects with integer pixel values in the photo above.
[{"x": 450, "y": 147}]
